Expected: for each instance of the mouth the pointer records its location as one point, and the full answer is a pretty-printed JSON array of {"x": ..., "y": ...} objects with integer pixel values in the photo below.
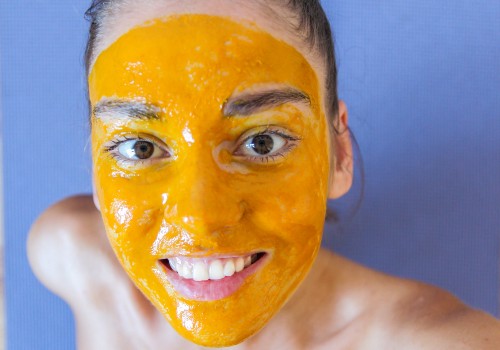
[{"x": 208, "y": 279}]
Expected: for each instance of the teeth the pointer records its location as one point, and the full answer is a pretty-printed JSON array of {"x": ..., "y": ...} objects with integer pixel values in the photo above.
[
  {"x": 229, "y": 268},
  {"x": 187, "y": 271},
  {"x": 207, "y": 269},
  {"x": 239, "y": 265},
  {"x": 173, "y": 264},
  {"x": 216, "y": 271},
  {"x": 200, "y": 271}
]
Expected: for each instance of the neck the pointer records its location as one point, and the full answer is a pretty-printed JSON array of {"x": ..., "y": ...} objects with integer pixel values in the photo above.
[{"x": 317, "y": 312}]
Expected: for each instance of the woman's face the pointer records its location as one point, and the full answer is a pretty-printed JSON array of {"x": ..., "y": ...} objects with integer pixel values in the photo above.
[{"x": 211, "y": 163}]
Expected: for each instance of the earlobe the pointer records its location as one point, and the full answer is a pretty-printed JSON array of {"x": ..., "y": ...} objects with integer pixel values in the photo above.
[{"x": 342, "y": 169}]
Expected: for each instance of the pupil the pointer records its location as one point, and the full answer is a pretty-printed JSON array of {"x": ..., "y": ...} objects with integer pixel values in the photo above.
[
  {"x": 143, "y": 149},
  {"x": 262, "y": 144}
]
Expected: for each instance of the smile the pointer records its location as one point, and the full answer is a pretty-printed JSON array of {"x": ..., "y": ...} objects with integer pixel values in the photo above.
[{"x": 210, "y": 278}]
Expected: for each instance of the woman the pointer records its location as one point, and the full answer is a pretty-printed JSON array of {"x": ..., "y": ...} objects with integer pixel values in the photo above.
[{"x": 217, "y": 137}]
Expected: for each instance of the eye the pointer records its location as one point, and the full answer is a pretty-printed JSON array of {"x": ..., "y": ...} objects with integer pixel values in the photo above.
[
  {"x": 261, "y": 145},
  {"x": 137, "y": 150},
  {"x": 266, "y": 145}
]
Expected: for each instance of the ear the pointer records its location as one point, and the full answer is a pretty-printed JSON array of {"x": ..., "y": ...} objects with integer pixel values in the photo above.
[
  {"x": 94, "y": 196},
  {"x": 342, "y": 167}
]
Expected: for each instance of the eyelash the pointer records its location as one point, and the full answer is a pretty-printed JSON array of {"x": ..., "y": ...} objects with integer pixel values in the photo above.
[
  {"x": 111, "y": 149},
  {"x": 117, "y": 141},
  {"x": 292, "y": 142},
  {"x": 274, "y": 157}
]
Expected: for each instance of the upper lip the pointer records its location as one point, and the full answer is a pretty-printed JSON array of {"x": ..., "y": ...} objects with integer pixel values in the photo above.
[{"x": 204, "y": 255}]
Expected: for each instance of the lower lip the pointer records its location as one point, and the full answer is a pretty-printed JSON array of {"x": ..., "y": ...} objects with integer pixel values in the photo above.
[{"x": 212, "y": 289}]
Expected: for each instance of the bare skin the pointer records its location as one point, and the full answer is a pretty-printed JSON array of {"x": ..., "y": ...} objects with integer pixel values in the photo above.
[{"x": 340, "y": 305}]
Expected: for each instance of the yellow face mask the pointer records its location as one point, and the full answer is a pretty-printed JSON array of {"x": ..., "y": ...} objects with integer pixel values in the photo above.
[{"x": 211, "y": 163}]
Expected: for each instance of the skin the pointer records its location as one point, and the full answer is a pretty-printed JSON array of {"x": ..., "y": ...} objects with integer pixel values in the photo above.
[
  {"x": 165, "y": 206},
  {"x": 337, "y": 301}
]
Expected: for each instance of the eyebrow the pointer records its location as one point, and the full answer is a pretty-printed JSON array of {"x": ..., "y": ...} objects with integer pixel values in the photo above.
[
  {"x": 112, "y": 108},
  {"x": 250, "y": 103}
]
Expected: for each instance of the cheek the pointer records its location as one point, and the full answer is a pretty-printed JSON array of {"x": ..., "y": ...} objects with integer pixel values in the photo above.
[
  {"x": 131, "y": 212},
  {"x": 293, "y": 201},
  {"x": 125, "y": 223},
  {"x": 128, "y": 215}
]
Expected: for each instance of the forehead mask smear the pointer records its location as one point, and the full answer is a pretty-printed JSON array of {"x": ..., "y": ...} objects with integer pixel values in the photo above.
[{"x": 211, "y": 165}]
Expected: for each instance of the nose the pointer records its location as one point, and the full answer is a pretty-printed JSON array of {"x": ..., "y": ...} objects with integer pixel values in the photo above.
[{"x": 202, "y": 200}]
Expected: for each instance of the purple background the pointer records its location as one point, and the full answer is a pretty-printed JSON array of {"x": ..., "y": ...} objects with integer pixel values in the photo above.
[{"x": 421, "y": 80}]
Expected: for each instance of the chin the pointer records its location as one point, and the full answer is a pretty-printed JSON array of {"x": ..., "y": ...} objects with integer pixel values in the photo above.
[{"x": 218, "y": 316}]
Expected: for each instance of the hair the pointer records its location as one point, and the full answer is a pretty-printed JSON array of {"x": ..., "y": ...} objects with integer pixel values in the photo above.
[{"x": 310, "y": 22}]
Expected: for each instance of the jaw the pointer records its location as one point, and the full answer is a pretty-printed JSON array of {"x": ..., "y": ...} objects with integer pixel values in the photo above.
[{"x": 222, "y": 316}]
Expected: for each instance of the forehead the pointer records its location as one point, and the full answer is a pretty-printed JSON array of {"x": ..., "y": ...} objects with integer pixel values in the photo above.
[
  {"x": 271, "y": 16},
  {"x": 176, "y": 56}
]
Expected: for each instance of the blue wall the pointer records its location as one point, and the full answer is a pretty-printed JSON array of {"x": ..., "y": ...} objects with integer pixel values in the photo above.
[{"x": 422, "y": 82}]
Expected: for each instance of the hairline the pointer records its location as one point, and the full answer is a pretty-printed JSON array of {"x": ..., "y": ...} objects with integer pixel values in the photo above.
[
  {"x": 315, "y": 32},
  {"x": 100, "y": 45}
]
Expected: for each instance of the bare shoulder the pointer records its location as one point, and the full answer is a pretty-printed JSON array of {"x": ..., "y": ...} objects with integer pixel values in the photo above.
[
  {"x": 69, "y": 213},
  {"x": 435, "y": 319},
  {"x": 396, "y": 313},
  {"x": 67, "y": 245},
  {"x": 69, "y": 253},
  {"x": 414, "y": 315}
]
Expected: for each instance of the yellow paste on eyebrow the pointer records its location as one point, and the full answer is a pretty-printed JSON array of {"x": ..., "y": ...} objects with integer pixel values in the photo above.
[{"x": 193, "y": 204}]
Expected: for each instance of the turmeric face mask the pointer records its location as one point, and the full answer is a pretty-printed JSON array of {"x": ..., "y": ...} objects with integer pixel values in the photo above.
[{"x": 211, "y": 164}]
